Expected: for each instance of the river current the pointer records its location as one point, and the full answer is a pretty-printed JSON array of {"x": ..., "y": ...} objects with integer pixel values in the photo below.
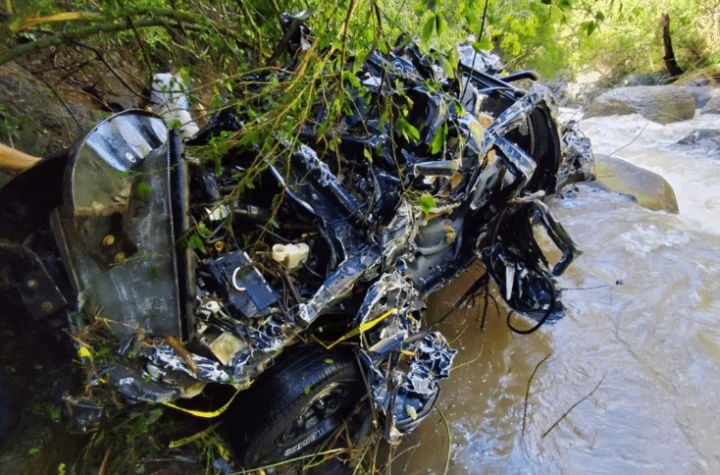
[{"x": 632, "y": 376}]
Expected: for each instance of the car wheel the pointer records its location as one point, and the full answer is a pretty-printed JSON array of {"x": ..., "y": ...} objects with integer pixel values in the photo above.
[{"x": 295, "y": 405}]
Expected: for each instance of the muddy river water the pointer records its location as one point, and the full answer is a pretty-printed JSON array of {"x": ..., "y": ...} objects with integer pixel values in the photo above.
[{"x": 636, "y": 362}]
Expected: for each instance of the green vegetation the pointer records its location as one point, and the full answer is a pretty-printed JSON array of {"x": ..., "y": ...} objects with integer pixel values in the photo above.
[{"x": 627, "y": 37}]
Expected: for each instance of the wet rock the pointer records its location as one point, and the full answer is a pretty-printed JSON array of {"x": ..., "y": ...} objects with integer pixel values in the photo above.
[
  {"x": 701, "y": 94},
  {"x": 713, "y": 104},
  {"x": 579, "y": 92},
  {"x": 707, "y": 139},
  {"x": 650, "y": 189},
  {"x": 663, "y": 104}
]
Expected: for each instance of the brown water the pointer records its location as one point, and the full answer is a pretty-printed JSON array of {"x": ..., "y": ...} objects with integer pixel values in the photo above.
[{"x": 644, "y": 322}]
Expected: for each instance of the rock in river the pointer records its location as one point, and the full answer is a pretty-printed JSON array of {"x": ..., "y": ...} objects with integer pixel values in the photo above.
[
  {"x": 663, "y": 104},
  {"x": 712, "y": 106},
  {"x": 705, "y": 139},
  {"x": 650, "y": 189}
]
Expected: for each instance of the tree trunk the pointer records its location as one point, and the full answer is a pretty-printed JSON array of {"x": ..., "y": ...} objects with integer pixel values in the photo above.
[{"x": 670, "y": 63}]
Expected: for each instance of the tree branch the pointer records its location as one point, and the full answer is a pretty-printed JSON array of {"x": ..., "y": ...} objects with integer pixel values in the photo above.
[{"x": 159, "y": 19}]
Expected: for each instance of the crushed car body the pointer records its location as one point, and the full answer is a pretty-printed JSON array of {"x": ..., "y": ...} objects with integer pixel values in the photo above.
[{"x": 346, "y": 244}]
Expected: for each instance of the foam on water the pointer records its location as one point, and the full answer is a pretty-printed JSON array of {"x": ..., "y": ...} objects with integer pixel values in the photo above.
[{"x": 693, "y": 172}]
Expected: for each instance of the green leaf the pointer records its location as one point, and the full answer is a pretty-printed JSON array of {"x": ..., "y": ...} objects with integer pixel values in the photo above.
[
  {"x": 427, "y": 202},
  {"x": 454, "y": 57},
  {"x": 447, "y": 67},
  {"x": 428, "y": 29},
  {"x": 438, "y": 141},
  {"x": 324, "y": 126},
  {"x": 473, "y": 22},
  {"x": 408, "y": 130},
  {"x": 329, "y": 361},
  {"x": 307, "y": 389},
  {"x": 204, "y": 230},
  {"x": 588, "y": 27},
  {"x": 153, "y": 416},
  {"x": 247, "y": 183},
  {"x": 564, "y": 4},
  {"x": 251, "y": 137},
  {"x": 484, "y": 44},
  {"x": 368, "y": 155},
  {"x": 351, "y": 78},
  {"x": 197, "y": 243},
  {"x": 143, "y": 189}
]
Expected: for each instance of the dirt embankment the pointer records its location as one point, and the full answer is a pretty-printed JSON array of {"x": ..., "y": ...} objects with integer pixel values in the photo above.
[{"x": 53, "y": 96}]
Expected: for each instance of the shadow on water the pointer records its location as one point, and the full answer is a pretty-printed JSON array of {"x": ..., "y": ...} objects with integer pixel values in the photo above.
[{"x": 479, "y": 401}]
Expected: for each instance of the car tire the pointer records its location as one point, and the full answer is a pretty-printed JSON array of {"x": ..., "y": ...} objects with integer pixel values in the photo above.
[{"x": 295, "y": 405}]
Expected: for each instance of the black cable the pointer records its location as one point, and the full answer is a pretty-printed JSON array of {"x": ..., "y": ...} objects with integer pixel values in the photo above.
[{"x": 542, "y": 321}]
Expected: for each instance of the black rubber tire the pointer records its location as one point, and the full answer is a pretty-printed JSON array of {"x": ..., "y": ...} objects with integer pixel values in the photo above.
[{"x": 294, "y": 405}]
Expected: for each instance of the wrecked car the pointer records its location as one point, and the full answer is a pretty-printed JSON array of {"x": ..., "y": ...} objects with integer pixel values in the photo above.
[{"x": 321, "y": 312}]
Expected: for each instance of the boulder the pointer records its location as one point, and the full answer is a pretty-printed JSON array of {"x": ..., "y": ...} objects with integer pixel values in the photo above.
[
  {"x": 713, "y": 104},
  {"x": 701, "y": 94},
  {"x": 650, "y": 189},
  {"x": 705, "y": 139},
  {"x": 663, "y": 104}
]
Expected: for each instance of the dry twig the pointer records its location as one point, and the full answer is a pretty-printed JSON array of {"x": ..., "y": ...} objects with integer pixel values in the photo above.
[
  {"x": 572, "y": 407},
  {"x": 527, "y": 390}
]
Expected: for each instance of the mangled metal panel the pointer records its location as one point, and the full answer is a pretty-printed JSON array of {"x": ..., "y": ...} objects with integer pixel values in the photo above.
[{"x": 116, "y": 227}]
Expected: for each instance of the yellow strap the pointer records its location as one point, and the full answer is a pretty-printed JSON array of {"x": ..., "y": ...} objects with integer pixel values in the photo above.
[
  {"x": 361, "y": 329},
  {"x": 200, "y": 435},
  {"x": 206, "y": 415}
]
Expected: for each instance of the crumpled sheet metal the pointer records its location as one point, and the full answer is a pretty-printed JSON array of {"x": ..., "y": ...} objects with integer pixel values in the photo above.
[
  {"x": 578, "y": 162},
  {"x": 378, "y": 245},
  {"x": 418, "y": 390},
  {"x": 405, "y": 397}
]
